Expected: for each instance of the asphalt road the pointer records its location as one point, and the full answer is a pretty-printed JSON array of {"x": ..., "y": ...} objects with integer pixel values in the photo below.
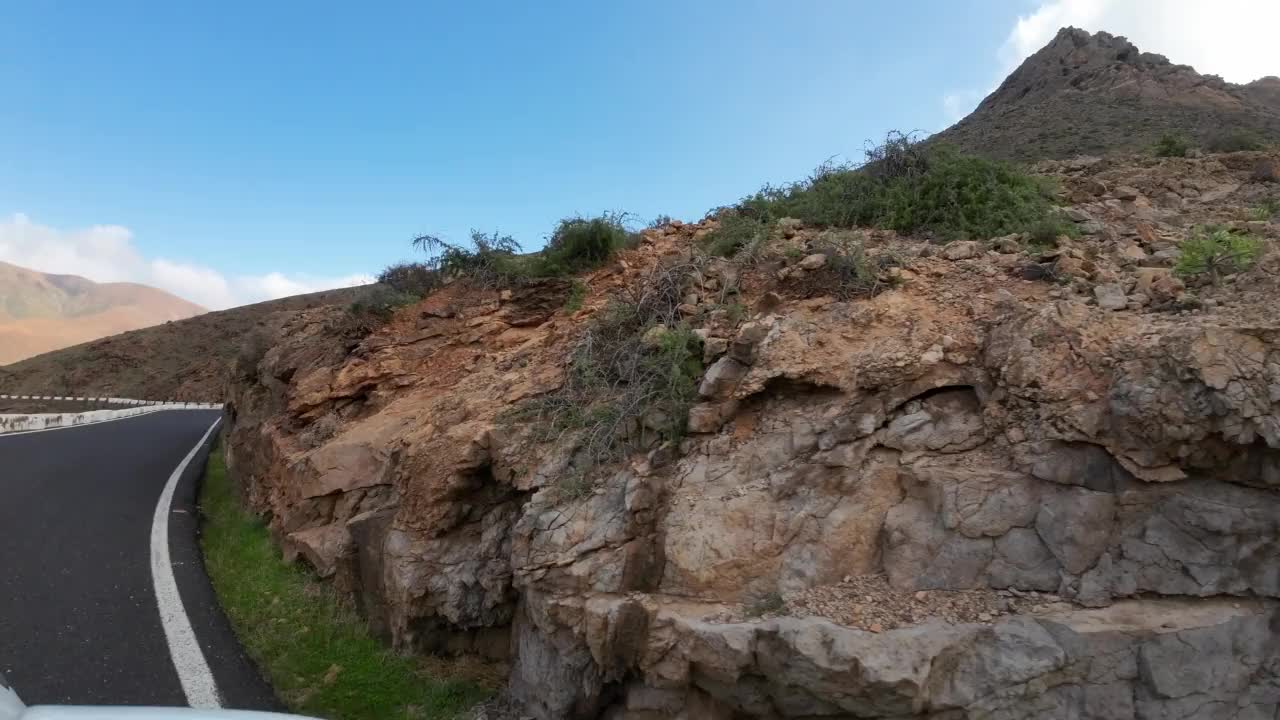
[{"x": 79, "y": 617}]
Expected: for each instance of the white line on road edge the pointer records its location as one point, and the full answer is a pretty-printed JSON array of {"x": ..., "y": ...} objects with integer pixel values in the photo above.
[{"x": 193, "y": 672}]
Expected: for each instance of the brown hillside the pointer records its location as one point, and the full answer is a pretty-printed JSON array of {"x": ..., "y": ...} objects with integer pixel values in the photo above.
[
  {"x": 40, "y": 312},
  {"x": 185, "y": 359},
  {"x": 1096, "y": 93}
]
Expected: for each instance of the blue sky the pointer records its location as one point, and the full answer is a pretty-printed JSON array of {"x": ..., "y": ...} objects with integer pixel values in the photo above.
[{"x": 274, "y": 147}]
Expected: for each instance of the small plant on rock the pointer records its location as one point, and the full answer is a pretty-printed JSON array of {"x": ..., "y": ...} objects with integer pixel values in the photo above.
[
  {"x": 1215, "y": 252},
  {"x": 1266, "y": 210},
  {"x": 848, "y": 272},
  {"x": 1172, "y": 145},
  {"x": 1044, "y": 233},
  {"x": 769, "y": 603},
  {"x": 577, "y": 295}
]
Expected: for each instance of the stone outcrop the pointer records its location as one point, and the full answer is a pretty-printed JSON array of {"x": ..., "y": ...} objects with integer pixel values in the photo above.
[{"x": 1101, "y": 479}]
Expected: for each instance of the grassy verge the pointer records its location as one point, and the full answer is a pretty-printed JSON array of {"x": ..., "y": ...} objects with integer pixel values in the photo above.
[{"x": 317, "y": 653}]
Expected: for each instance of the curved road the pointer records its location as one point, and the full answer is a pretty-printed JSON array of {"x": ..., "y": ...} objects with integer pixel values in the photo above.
[{"x": 80, "y": 618}]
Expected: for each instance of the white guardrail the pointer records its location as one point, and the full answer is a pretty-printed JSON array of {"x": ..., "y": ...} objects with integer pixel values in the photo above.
[{"x": 129, "y": 408}]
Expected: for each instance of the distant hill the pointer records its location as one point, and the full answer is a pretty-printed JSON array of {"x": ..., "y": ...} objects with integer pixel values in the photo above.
[
  {"x": 185, "y": 359},
  {"x": 1097, "y": 93},
  {"x": 40, "y": 312}
]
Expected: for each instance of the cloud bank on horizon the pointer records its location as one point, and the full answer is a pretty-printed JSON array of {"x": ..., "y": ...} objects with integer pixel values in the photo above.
[
  {"x": 1234, "y": 39},
  {"x": 106, "y": 253}
]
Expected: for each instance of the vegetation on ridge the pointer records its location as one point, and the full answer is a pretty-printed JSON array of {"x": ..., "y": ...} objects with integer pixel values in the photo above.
[
  {"x": 902, "y": 185},
  {"x": 494, "y": 260}
]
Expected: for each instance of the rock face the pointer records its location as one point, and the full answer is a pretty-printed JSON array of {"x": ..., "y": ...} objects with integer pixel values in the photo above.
[
  {"x": 1065, "y": 485},
  {"x": 1095, "y": 93}
]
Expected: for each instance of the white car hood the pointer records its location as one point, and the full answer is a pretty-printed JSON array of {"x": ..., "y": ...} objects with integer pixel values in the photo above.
[
  {"x": 49, "y": 712},
  {"x": 11, "y": 708}
]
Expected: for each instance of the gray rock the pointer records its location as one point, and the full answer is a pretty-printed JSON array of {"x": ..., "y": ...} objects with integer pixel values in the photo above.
[
  {"x": 812, "y": 262},
  {"x": 722, "y": 378},
  {"x": 961, "y": 250},
  {"x": 709, "y": 417},
  {"x": 1022, "y": 561},
  {"x": 1110, "y": 296},
  {"x": 1076, "y": 525},
  {"x": 1078, "y": 215}
]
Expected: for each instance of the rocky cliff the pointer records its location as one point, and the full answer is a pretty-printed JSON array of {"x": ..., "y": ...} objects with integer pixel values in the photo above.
[
  {"x": 1095, "y": 93},
  {"x": 1021, "y": 481}
]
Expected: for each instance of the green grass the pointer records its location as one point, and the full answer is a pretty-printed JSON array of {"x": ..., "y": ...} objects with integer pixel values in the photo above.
[{"x": 317, "y": 653}]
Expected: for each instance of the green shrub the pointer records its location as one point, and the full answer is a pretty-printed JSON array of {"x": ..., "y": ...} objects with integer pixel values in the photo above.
[
  {"x": 412, "y": 278},
  {"x": 627, "y": 385},
  {"x": 1044, "y": 233},
  {"x": 1234, "y": 141},
  {"x": 1172, "y": 145},
  {"x": 1216, "y": 251},
  {"x": 377, "y": 303},
  {"x": 735, "y": 312},
  {"x": 910, "y": 187},
  {"x": 849, "y": 271},
  {"x": 577, "y": 295},
  {"x": 736, "y": 231},
  {"x": 966, "y": 196},
  {"x": 494, "y": 260},
  {"x": 581, "y": 244},
  {"x": 490, "y": 261}
]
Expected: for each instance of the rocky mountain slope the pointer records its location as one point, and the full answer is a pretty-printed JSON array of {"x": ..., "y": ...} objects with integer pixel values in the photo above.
[
  {"x": 1023, "y": 481},
  {"x": 1093, "y": 93},
  {"x": 40, "y": 312},
  {"x": 184, "y": 359}
]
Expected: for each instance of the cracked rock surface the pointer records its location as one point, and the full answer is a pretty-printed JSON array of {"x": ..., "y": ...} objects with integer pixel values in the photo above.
[{"x": 978, "y": 494}]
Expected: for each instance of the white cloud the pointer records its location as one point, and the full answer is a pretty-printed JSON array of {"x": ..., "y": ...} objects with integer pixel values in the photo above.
[
  {"x": 105, "y": 253},
  {"x": 1231, "y": 38}
]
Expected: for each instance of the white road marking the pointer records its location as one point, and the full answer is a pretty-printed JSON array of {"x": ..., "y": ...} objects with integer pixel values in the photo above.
[{"x": 193, "y": 671}]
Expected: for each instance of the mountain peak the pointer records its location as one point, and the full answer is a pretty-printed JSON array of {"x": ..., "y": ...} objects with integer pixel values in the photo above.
[{"x": 1097, "y": 92}]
